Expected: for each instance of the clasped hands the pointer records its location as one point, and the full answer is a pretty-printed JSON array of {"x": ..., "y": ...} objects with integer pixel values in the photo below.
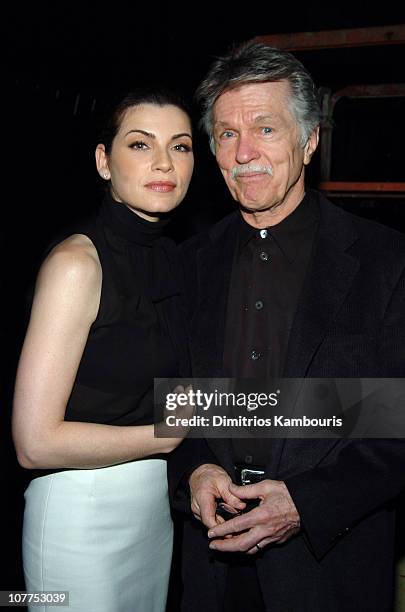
[{"x": 273, "y": 521}]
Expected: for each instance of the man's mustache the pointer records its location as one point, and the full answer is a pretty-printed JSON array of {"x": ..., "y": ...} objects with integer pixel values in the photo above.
[{"x": 249, "y": 168}]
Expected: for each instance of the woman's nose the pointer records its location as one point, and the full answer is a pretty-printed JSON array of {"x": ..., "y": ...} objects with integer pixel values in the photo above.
[{"x": 162, "y": 161}]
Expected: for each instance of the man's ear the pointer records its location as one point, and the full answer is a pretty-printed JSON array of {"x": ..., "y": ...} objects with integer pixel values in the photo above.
[
  {"x": 311, "y": 146},
  {"x": 102, "y": 162}
]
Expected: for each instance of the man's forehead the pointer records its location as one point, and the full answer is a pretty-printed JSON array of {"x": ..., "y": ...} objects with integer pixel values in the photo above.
[
  {"x": 257, "y": 100},
  {"x": 255, "y": 118}
]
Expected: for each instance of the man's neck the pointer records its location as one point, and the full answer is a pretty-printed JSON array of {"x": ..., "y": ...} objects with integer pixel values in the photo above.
[{"x": 273, "y": 216}]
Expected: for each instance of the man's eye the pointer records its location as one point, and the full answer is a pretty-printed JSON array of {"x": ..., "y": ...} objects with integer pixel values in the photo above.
[
  {"x": 139, "y": 145},
  {"x": 267, "y": 130},
  {"x": 227, "y": 134}
]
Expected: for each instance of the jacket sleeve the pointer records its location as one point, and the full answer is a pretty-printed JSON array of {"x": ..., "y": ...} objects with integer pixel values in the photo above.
[
  {"x": 365, "y": 474},
  {"x": 331, "y": 499},
  {"x": 192, "y": 452}
]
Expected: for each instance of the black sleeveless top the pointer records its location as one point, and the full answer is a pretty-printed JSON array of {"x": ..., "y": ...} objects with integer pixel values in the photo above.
[{"x": 139, "y": 333}]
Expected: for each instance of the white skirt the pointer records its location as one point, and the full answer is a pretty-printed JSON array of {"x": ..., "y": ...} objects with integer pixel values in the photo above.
[{"x": 104, "y": 535}]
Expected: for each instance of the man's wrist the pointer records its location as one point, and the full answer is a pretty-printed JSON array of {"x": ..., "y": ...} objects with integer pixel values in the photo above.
[
  {"x": 295, "y": 514},
  {"x": 201, "y": 469}
]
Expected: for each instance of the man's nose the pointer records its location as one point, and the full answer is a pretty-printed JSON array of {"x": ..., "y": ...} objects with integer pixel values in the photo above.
[
  {"x": 162, "y": 161},
  {"x": 247, "y": 150}
]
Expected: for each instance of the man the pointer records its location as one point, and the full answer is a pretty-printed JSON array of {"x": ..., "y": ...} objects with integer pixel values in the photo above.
[{"x": 287, "y": 286}]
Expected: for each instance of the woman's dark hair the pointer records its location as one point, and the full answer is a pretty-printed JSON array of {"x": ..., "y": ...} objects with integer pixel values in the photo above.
[{"x": 136, "y": 97}]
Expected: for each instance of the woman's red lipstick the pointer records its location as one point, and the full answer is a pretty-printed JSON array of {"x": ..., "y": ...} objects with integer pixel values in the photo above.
[{"x": 161, "y": 186}]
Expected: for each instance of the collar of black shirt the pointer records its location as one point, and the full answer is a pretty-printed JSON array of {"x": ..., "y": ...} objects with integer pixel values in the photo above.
[{"x": 288, "y": 233}]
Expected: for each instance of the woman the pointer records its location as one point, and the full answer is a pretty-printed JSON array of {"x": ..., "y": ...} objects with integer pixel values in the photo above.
[{"x": 106, "y": 319}]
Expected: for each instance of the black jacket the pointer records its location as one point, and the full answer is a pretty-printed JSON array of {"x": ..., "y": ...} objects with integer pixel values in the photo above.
[{"x": 350, "y": 322}]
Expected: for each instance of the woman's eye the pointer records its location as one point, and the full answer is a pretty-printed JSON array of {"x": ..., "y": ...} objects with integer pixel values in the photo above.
[
  {"x": 183, "y": 148},
  {"x": 139, "y": 145}
]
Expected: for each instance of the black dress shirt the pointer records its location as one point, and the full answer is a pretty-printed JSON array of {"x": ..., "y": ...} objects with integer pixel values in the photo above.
[{"x": 268, "y": 274}]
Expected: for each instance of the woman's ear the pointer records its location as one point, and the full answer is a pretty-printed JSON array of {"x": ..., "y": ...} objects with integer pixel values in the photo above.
[
  {"x": 311, "y": 146},
  {"x": 102, "y": 162}
]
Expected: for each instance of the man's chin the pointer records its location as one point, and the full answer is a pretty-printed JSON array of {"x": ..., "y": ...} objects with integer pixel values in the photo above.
[{"x": 254, "y": 207}]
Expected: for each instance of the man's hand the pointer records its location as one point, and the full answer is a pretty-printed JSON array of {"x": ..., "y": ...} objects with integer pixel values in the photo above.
[
  {"x": 274, "y": 521},
  {"x": 208, "y": 483}
]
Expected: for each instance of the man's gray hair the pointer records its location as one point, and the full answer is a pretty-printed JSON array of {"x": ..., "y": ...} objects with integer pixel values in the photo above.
[{"x": 253, "y": 62}]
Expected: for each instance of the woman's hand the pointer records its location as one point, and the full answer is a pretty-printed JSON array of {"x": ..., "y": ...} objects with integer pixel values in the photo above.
[{"x": 173, "y": 435}]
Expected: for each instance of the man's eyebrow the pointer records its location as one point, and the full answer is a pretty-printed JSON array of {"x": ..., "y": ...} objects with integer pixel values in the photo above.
[
  {"x": 261, "y": 118},
  {"x": 258, "y": 119}
]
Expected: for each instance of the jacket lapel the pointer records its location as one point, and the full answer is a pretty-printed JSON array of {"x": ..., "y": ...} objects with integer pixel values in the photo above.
[
  {"x": 327, "y": 284},
  {"x": 214, "y": 265}
]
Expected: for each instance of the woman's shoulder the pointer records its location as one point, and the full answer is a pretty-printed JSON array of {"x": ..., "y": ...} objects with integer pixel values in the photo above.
[{"x": 74, "y": 259}]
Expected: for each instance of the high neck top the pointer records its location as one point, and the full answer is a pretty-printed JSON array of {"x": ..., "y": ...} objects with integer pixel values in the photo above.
[
  {"x": 138, "y": 334},
  {"x": 129, "y": 225}
]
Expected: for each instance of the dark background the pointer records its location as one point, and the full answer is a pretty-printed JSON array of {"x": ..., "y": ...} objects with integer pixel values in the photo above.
[{"x": 65, "y": 63}]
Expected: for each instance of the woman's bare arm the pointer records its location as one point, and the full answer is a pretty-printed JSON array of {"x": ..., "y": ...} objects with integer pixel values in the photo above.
[{"x": 65, "y": 305}]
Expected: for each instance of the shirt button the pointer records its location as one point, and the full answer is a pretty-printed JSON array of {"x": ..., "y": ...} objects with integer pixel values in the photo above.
[
  {"x": 258, "y": 305},
  {"x": 263, "y": 233},
  {"x": 264, "y": 256},
  {"x": 255, "y": 355},
  {"x": 248, "y": 459}
]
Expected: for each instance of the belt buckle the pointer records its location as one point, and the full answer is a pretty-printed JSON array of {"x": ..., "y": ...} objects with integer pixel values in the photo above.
[{"x": 250, "y": 476}]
